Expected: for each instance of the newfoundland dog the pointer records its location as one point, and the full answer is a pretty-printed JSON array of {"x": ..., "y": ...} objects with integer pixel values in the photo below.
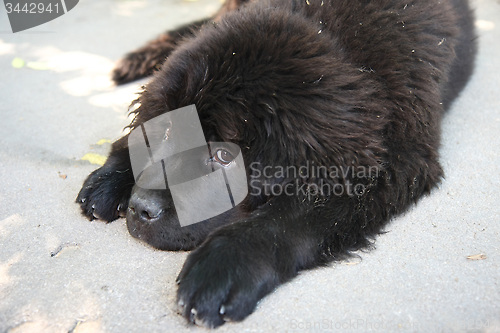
[{"x": 336, "y": 108}]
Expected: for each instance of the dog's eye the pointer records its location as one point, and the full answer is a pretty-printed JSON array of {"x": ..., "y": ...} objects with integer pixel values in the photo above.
[{"x": 223, "y": 157}]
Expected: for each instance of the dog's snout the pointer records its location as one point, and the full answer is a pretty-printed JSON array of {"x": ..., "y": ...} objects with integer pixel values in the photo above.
[{"x": 145, "y": 210}]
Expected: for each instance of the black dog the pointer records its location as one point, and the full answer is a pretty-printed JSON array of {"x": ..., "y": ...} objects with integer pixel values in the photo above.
[{"x": 348, "y": 92}]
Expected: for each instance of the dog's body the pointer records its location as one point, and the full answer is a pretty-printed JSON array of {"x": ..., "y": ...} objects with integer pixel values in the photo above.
[{"x": 345, "y": 84}]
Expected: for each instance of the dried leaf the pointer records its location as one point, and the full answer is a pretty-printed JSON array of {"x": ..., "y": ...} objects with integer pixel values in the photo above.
[{"x": 479, "y": 256}]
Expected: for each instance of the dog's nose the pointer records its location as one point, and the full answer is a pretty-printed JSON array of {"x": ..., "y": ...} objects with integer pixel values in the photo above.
[{"x": 144, "y": 210}]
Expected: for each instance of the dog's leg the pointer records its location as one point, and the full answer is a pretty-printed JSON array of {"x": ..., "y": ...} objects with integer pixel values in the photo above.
[
  {"x": 106, "y": 191},
  {"x": 145, "y": 60},
  {"x": 239, "y": 264}
]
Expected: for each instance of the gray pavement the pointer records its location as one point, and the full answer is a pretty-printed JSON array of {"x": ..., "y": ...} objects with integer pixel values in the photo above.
[{"x": 61, "y": 273}]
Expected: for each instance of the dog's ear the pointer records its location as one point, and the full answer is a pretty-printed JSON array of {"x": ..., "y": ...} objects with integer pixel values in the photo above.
[
  {"x": 336, "y": 121},
  {"x": 348, "y": 118}
]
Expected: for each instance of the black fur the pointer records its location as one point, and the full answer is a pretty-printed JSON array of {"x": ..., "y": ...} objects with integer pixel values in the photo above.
[{"x": 348, "y": 84}]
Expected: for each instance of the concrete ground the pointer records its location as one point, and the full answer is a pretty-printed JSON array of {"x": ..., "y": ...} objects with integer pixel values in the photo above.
[{"x": 61, "y": 273}]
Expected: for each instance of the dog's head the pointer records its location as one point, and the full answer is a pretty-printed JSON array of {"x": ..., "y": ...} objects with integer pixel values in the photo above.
[
  {"x": 177, "y": 201},
  {"x": 270, "y": 84}
]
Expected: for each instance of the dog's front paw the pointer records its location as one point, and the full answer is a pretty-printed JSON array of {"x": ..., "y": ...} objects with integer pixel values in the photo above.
[
  {"x": 105, "y": 194},
  {"x": 223, "y": 280}
]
